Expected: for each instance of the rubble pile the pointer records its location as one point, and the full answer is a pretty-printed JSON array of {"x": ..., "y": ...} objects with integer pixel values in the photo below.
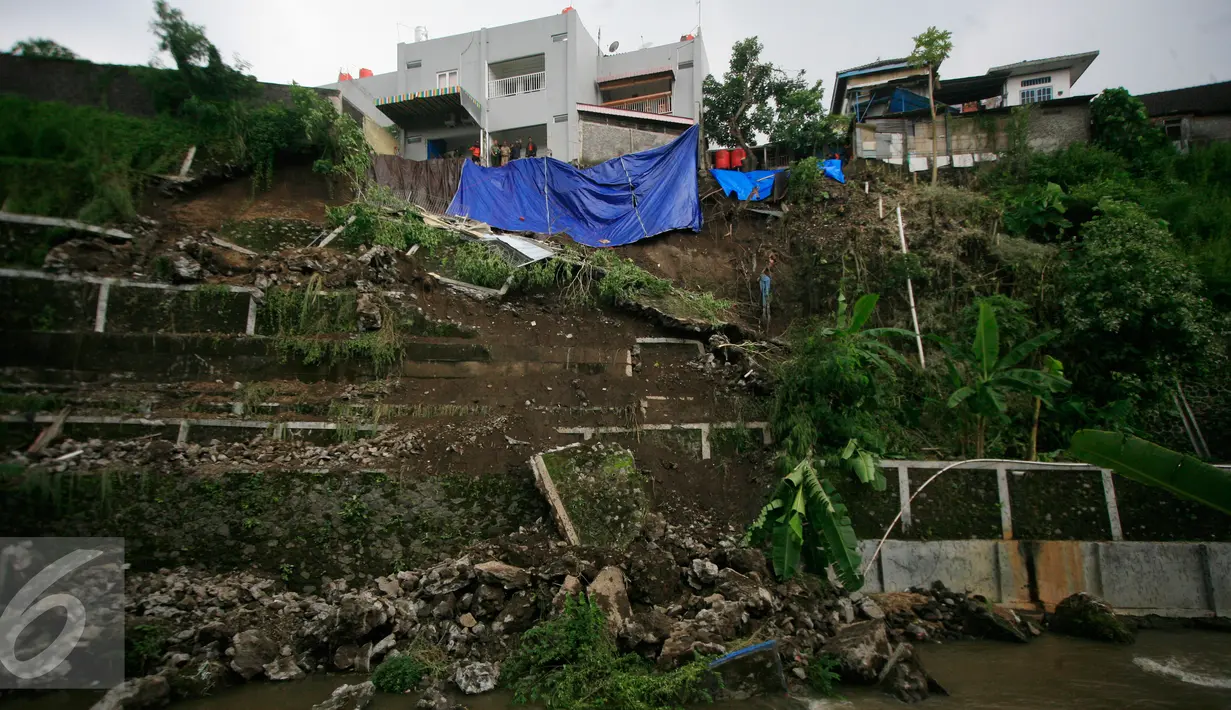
[{"x": 677, "y": 591}]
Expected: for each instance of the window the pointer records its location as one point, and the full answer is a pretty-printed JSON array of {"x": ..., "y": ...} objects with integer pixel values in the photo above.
[
  {"x": 446, "y": 79},
  {"x": 1036, "y": 81},
  {"x": 1031, "y": 96},
  {"x": 414, "y": 64}
]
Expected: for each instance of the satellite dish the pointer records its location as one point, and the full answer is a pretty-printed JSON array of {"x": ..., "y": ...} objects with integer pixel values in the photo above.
[{"x": 614, "y": 46}]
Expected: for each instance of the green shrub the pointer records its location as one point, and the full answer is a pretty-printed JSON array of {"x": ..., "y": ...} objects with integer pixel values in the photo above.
[
  {"x": 823, "y": 675},
  {"x": 804, "y": 186},
  {"x": 398, "y": 674},
  {"x": 476, "y": 263},
  {"x": 571, "y": 663},
  {"x": 625, "y": 281}
]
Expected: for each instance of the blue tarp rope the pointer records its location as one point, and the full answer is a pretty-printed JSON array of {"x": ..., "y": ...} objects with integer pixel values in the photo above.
[{"x": 611, "y": 204}]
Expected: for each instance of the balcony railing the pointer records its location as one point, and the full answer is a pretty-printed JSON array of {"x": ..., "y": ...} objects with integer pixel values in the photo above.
[
  {"x": 658, "y": 103},
  {"x": 524, "y": 84}
]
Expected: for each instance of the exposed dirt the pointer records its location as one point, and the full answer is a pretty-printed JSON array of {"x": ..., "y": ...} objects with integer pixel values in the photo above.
[{"x": 295, "y": 193}]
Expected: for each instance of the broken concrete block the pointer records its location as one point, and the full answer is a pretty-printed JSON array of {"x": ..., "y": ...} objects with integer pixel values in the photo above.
[{"x": 597, "y": 496}]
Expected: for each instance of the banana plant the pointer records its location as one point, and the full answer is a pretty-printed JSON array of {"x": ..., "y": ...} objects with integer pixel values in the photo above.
[
  {"x": 806, "y": 519},
  {"x": 1154, "y": 465},
  {"x": 980, "y": 385}
]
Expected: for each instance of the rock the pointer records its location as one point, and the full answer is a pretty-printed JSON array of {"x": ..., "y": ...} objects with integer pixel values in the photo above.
[
  {"x": 905, "y": 678},
  {"x": 350, "y": 656},
  {"x": 609, "y": 591},
  {"x": 384, "y": 645},
  {"x": 367, "y": 309},
  {"x": 251, "y": 651},
  {"x": 986, "y": 620},
  {"x": 389, "y": 586},
  {"x": 570, "y": 587},
  {"x": 870, "y": 609},
  {"x": 433, "y": 699},
  {"x": 862, "y": 650},
  {"x": 518, "y": 615},
  {"x": 82, "y": 255},
  {"x": 447, "y": 577},
  {"x": 596, "y": 495},
  {"x": 655, "y": 527},
  {"x": 349, "y": 697},
  {"x": 725, "y": 619},
  {"x": 508, "y": 576},
  {"x": 747, "y": 561},
  {"x": 186, "y": 270},
  {"x": 686, "y": 638},
  {"x": 467, "y": 621},
  {"x": 477, "y": 678},
  {"x": 1087, "y": 616},
  {"x": 702, "y": 573},
  {"x": 654, "y": 575},
  {"x": 647, "y": 627},
  {"x": 152, "y": 691},
  {"x": 847, "y": 610},
  {"x": 285, "y": 668},
  {"x": 737, "y": 587}
]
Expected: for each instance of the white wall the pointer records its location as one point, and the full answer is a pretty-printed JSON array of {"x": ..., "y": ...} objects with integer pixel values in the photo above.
[{"x": 1060, "y": 85}]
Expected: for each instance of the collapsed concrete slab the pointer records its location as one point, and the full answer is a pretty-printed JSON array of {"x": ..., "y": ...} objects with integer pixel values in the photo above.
[{"x": 597, "y": 496}]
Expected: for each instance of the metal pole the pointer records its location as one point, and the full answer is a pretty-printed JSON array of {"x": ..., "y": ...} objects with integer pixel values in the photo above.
[
  {"x": 910, "y": 293},
  {"x": 546, "y": 201}
]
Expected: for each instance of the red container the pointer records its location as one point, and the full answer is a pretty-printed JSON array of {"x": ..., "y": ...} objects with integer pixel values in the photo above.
[
  {"x": 344, "y": 76},
  {"x": 365, "y": 73},
  {"x": 722, "y": 159},
  {"x": 737, "y": 157}
]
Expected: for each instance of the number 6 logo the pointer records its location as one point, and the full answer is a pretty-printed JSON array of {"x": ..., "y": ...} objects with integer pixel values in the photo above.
[{"x": 25, "y": 607}]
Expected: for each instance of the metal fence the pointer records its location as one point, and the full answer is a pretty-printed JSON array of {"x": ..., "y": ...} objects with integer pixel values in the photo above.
[{"x": 513, "y": 85}]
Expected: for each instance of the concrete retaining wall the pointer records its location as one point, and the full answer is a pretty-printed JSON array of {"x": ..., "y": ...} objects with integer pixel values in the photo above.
[{"x": 1164, "y": 578}]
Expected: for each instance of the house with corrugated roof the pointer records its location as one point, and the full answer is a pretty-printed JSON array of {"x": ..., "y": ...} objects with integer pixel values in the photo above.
[{"x": 1194, "y": 116}]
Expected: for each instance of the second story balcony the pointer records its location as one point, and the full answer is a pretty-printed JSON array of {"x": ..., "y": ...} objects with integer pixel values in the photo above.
[
  {"x": 524, "y": 75},
  {"x": 655, "y": 103}
]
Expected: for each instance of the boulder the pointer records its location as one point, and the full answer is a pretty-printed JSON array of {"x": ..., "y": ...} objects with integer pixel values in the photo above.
[
  {"x": 367, "y": 311},
  {"x": 905, "y": 678},
  {"x": 152, "y": 691},
  {"x": 747, "y": 561},
  {"x": 352, "y": 657},
  {"x": 349, "y": 697},
  {"x": 724, "y": 619},
  {"x": 862, "y": 650},
  {"x": 647, "y": 627},
  {"x": 250, "y": 651},
  {"x": 285, "y": 668},
  {"x": 508, "y": 576},
  {"x": 518, "y": 615},
  {"x": 654, "y": 575},
  {"x": 736, "y": 587},
  {"x": 475, "y": 678},
  {"x": 609, "y": 591},
  {"x": 986, "y": 620},
  {"x": 1089, "y": 617},
  {"x": 186, "y": 270},
  {"x": 433, "y": 699},
  {"x": 702, "y": 573},
  {"x": 447, "y": 577},
  {"x": 687, "y": 638},
  {"x": 571, "y": 587}
]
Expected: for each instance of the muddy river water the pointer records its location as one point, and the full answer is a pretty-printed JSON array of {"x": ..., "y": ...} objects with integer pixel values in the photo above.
[{"x": 1165, "y": 669}]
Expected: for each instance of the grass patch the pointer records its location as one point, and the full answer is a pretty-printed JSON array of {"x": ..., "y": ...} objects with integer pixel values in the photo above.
[
  {"x": 571, "y": 663},
  {"x": 475, "y": 263}
]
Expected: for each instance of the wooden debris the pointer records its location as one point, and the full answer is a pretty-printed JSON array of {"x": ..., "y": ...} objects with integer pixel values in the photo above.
[
  {"x": 334, "y": 234},
  {"x": 38, "y": 221},
  {"x": 50, "y": 433},
  {"x": 233, "y": 247}
]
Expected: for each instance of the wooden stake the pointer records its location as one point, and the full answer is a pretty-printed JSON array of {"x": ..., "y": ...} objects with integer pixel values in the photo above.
[{"x": 910, "y": 293}]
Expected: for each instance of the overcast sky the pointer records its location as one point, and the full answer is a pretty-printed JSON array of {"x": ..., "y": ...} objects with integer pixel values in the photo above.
[{"x": 1146, "y": 45}]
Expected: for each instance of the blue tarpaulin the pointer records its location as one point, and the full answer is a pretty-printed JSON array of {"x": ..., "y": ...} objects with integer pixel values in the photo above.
[
  {"x": 742, "y": 185},
  {"x": 611, "y": 204},
  {"x": 833, "y": 170}
]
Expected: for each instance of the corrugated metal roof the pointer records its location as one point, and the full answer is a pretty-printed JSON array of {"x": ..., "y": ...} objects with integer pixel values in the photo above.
[
  {"x": 1201, "y": 100},
  {"x": 634, "y": 73},
  {"x": 878, "y": 64},
  {"x": 643, "y": 115}
]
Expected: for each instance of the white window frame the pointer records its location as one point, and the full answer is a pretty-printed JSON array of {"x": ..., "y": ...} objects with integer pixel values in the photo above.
[
  {"x": 450, "y": 79},
  {"x": 1036, "y": 94}
]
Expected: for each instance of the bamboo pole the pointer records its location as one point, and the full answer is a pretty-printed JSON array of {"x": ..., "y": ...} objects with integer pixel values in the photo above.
[{"x": 910, "y": 293}]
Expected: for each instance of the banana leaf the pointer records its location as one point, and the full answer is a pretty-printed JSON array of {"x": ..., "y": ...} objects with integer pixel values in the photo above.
[
  {"x": 827, "y": 516},
  {"x": 1154, "y": 465}
]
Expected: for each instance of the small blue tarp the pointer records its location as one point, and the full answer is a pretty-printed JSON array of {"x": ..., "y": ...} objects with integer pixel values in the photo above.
[
  {"x": 611, "y": 204},
  {"x": 833, "y": 170},
  {"x": 755, "y": 185}
]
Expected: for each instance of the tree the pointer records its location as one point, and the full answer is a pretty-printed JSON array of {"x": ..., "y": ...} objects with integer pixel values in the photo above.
[
  {"x": 207, "y": 76},
  {"x": 1121, "y": 124},
  {"x": 746, "y": 101},
  {"x": 805, "y": 518},
  {"x": 42, "y": 47},
  {"x": 931, "y": 48},
  {"x": 802, "y": 123},
  {"x": 980, "y": 390}
]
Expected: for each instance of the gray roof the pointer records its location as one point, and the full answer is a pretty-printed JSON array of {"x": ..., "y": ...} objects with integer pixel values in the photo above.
[{"x": 1076, "y": 63}]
